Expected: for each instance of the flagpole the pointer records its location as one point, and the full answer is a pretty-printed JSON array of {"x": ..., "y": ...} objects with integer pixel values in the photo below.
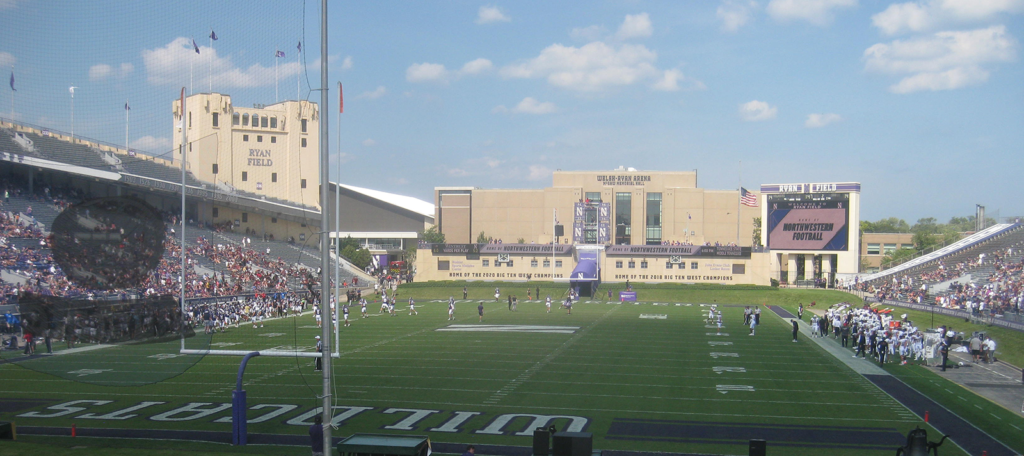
[
  {"x": 184, "y": 150},
  {"x": 277, "y": 98},
  {"x": 327, "y": 410},
  {"x": 337, "y": 222},
  {"x": 13, "y": 93},
  {"x": 72, "y": 90},
  {"x": 739, "y": 201},
  {"x": 298, "y": 73},
  {"x": 127, "y": 111},
  {"x": 211, "y": 59},
  {"x": 191, "y": 67}
]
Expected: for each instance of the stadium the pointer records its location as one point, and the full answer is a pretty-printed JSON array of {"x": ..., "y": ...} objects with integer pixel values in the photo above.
[{"x": 168, "y": 303}]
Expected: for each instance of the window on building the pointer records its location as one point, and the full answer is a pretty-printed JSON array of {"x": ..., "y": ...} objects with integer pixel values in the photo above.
[
  {"x": 273, "y": 122},
  {"x": 303, "y": 142},
  {"x": 906, "y": 246},
  {"x": 245, "y": 217},
  {"x": 510, "y": 263},
  {"x": 890, "y": 248},
  {"x": 443, "y": 265},
  {"x": 631, "y": 264},
  {"x": 693, "y": 265},
  {"x": 216, "y": 119},
  {"x": 273, "y": 220},
  {"x": 259, "y": 138},
  {"x": 874, "y": 249},
  {"x": 653, "y": 218},
  {"x": 739, "y": 269},
  {"x": 235, "y": 119},
  {"x": 643, "y": 264},
  {"x": 668, "y": 265},
  {"x": 558, "y": 263},
  {"x": 216, "y": 212},
  {"x": 245, "y": 138},
  {"x": 273, "y": 139},
  {"x": 264, "y": 121},
  {"x": 623, "y": 216},
  {"x": 303, "y": 125},
  {"x": 533, "y": 263},
  {"x": 245, "y": 176},
  {"x": 273, "y": 177},
  {"x": 190, "y": 120},
  {"x": 255, "y": 120},
  {"x": 618, "y": 265},
  {"x": 215, "y": 168},
  {"x": 485, "y": 263},
  {"x": 245, "y": 120},
  {"x": 593, "y": 197},
  {"x": 303, "y": 183},
  {"x": 546, "y": 263}
]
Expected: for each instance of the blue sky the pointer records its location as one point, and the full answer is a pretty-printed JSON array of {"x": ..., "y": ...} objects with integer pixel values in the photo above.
[{"x": 919, "y": 101}]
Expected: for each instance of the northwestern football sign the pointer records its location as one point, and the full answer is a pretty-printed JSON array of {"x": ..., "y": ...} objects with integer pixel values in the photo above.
[
  {"x": 808, "y": 221},
  {"x": 691, "y": 251}
]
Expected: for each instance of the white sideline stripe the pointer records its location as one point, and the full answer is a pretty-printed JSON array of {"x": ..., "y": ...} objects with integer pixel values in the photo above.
[
  {"x": 514, "y": 326},
  {"x": 88, "y": 348},
  {"x": 520, "y": 330}
]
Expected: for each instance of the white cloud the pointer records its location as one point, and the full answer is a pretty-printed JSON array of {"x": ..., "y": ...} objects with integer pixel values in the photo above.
[
  {"x": 670, "y": 79},
  {"x": 591, "y": 33},
  {"x": 152, "y": 144},
  {"x": 820, "y": 120},
  {"x": 8, "y": 4},
  {"x": 6, "y": 59},
  {"x": 635, "y": 26},
  {"x": 735, "y": 13},
  {"x": 436, "y": 72},
  {"x": 593, "y": 67},
  {"x": 347, "y": 63},
  {"x": 754, "y": 111},
  {"x": 491, "y": 14},
  {"x": 539, "y": 172},
  {"x": 380, "y": 91},
  {"x": 817, "y": 12},
  {"x": 102, "y": 71},
  {"x": 530, "y": 105},
  {"x": 369, "y": 142},
  {"x": 170, "y": 65},
  {"x": 477, "y": 66},
  {"x": 927, "y": 15},
  {"x": 499, "y": 109},
  {"x": 942, "y": 61},
  {"x": 424, "y": 72}
]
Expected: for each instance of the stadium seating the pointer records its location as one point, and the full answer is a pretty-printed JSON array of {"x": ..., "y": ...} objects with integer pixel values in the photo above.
[{"x": 58, "y": 150}]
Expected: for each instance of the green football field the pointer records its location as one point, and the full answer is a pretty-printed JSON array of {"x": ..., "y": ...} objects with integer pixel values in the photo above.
[{"x": 651, "y": 376}]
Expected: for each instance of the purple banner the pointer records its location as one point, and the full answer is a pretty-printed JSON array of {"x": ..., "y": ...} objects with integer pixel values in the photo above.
[
  {"x": 810, "y": 221},
  {"x": 560, "y": 249},
  {"x": 700, "y": 251},
  {"x": 627, "y": 296}
]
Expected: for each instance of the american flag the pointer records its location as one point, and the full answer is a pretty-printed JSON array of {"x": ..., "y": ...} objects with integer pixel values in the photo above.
[{"x": 747, "y": 198}]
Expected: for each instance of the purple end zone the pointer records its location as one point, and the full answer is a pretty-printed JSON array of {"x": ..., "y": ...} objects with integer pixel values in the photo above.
[
  {"x": 970, "y": 438},
  {"x": 781, "y": 312}
]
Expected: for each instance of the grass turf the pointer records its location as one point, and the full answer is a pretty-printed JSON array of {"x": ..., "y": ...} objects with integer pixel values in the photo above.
[{"x": 616, "y": 370}]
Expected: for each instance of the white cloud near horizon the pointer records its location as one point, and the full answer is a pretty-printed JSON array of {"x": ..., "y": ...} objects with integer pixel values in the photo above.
[
  {"x": 735, "y": 14},
  {"x": 347, "y": 63},
  {"x": 170, "y": 65},
  {"x": 943, "y": 60},
  {"x": 152, "y": 144},
  {"x": 821, "y": 120},
  {"x": 816, "y": 12},
  {"x": 7, "y": 59},
  {"x": 756, "y": 111},
  {"x": 930, "y": 15},
  {"x": 635, "y": 26},
  {"x": 538, "y": 172},
  {"x": 369, "y": 142},
  {"x": 436, "y": 72},
  {"x": 490, "y": 15},
  {"x": 380, "y": 91},
  {"x": 102, "y": 71}
]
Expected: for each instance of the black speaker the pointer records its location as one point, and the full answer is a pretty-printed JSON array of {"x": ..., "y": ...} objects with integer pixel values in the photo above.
[
  {"x": 7, "y": 431},
  {"x": 572, "y": 444},
  {"x": 559, "y": 230},
  {"x": 758, "y": 447},
  {"x": 541, "y": 442}
]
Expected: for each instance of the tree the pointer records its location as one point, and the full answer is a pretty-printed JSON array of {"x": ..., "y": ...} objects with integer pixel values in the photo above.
[
  {"x": 432, "y": 236},
  {"x": 897, "y": 257},
  {"x": 924, "y": 240},
  {"x": 926, "y": 225},
  {"x": 483, "y": 238},
  {"x": 520, "y": 241},
  {"x": 359, "y": 257},
  {"x": 886, "y": 225},
  {"x": 756, "y": 238}
]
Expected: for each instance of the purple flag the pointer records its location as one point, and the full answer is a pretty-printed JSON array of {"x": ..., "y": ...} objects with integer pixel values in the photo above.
[
  {"x": 279, "y": 54},
  {"x": 194, "y": 46},
  {"x": 126, "y": 107},
  {"x": 300, "y": 46},
  {"x": 12, "y": 82},
  {"x": 213, "y": 35}
]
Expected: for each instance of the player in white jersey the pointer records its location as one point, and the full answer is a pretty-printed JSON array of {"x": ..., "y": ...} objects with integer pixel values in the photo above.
[
  {"x": 547, "y": 303},
  {"x": 383, "y": 304},
  {"x": 362, "y": 303},
  {"x": 344, "y": 311},
  {"x": 412, "y": 307},
  {"x": 451, "y": 308}
]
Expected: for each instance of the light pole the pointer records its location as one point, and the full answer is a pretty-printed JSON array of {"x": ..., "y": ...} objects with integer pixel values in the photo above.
[{"x": 72, "y": 90}]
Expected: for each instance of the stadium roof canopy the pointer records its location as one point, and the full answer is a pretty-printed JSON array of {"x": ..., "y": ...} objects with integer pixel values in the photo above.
[{"x": 405, "y": 202}]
